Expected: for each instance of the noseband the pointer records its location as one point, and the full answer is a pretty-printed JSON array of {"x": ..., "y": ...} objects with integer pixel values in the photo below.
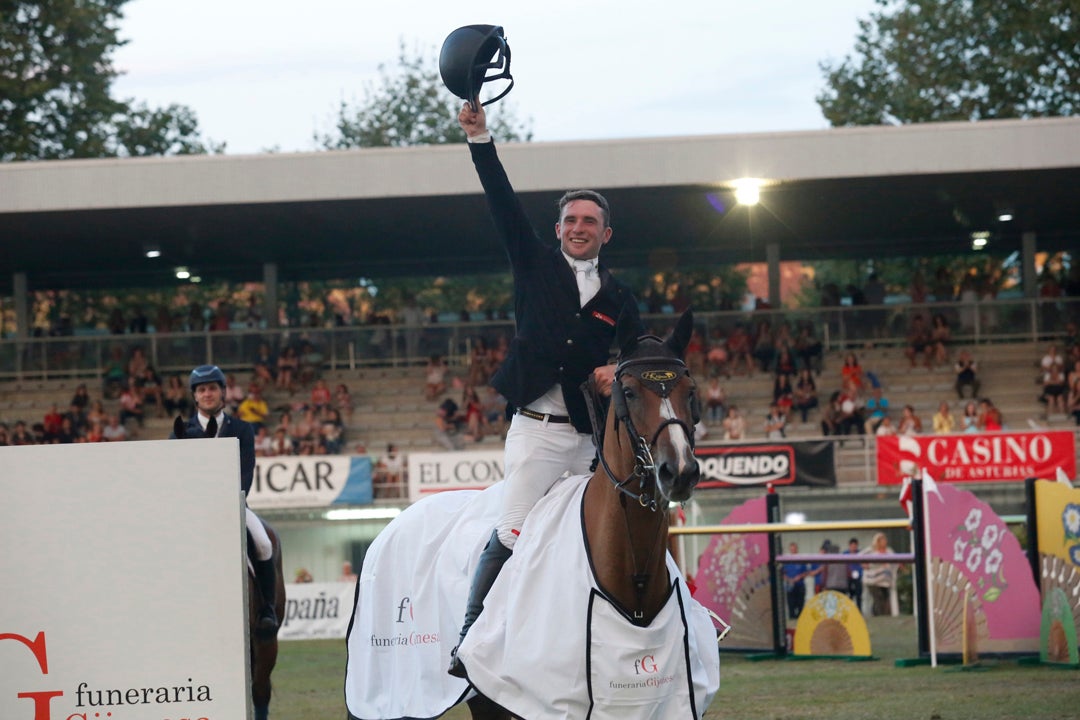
[{"x": 658, "y": 375}]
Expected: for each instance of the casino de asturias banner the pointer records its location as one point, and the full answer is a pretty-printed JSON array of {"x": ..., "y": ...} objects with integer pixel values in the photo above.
[
  {"x": 777, "y": 463},
  {"x": 309, "y": 481},
  {"x": 976, "y": 457}
]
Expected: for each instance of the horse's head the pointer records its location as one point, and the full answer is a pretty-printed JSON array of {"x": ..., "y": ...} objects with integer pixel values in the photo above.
[{"x": 655, "y": 400}]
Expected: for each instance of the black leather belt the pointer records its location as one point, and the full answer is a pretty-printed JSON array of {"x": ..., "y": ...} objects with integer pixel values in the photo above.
[{"x": 542, "y": 417}]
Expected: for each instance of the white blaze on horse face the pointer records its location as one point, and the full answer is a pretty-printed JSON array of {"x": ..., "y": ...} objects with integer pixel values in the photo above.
[{"x": 676, "y": 432}]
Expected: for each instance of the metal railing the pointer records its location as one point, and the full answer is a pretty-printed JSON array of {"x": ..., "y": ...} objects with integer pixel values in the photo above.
[{"x": 95, "y": 355}]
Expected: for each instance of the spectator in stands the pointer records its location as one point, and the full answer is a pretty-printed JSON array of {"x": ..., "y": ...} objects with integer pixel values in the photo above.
[
  {"x": 479, "y": 368},
  {"x": 97, "y": 414},
  {"x": 835, "y": 573},
  {"x": 877, "y": 408},
  {"x": 851, "y": 371},
  {"x": 21, "y": 434},
  {"x": 851, "y": 410},
  {"x": 288, "y": 367},
  {"x": 67, "y": 433},
  {"x": 944, "y": 422},
  {"x": 52, "y": 421},
  {"x": 734, "y": 425},
  {"x": 910, "y": 423},
  {"x": 785, "y": 362},
  {"x": 1055, "y": 390},
  {"x": 989, "y": 416},
  {"x": 94, "y": 433},
  {"x": 447, "y": 425},
  {"x": 115, "y": 373},
  {"x": 830, "y": 415},
  {"x": 131, "y": 406},
  {"x": 114, "y": 430},
  {"x": 81, "y": 398},
  {"x": 1052, "y": 357},
  {"x": 332, "y": 432},
  {"x": 738, "y": 347},
  {"x": 473, "y": 411},
  {"x": 136, "y": 363},
  {"x": 264, "y": 366},
  {"x": 303, "y": 576},
  {"x": 764, "y": 351},
  {"x": 715, "y": 400},
  {"x": 264, "y": 444},
  {"x": 783, "y": 394},
  {"x": 435, "y": 377},
  {"x": 966, "y": 374},
  {"x": 176, "y": 397},
  {"x": 311, "y": 361},
  {"x": 774, "y": 423},
  {"x": 717, "y": 355},
  {"x": 234, "y": 393},
  {"x": 804, "y": 394},
  {"x": 885, "y": 427},
  {"x": 305, "y": 433},
  {"x": 940, "y": 337},
  {"x": 389, "y": 473},
  {"x": 281, "y": 443},
  {"x": 149, "y": 384},
  {"x": 253, "y": 410},
  {"x": 808, "y": 348},
  {"x": 494, "y": 405},
  {"x": 969, "y": 421},
  {"x": 4, "y": 439},
  {"x": 38, "y": 431},
  {"x": 1074, "y": 399},
  {"x": 919, "y": 341},
  {"x": 343, "y": 402},
  {"x": 854, "y": 574},
  {"x": 320, "y": 395},
  {"x": 695, "y": 354}
]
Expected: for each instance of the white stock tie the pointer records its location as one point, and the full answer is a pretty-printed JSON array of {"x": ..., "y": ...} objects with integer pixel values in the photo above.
[{"x": 588, "y": 281}]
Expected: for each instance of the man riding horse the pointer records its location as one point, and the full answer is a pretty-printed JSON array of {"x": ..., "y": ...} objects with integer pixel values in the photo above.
[{"x": 207, "y": 383}]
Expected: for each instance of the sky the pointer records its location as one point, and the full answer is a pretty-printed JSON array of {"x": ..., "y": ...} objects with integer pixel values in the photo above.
[{"x": 269, "y": 74}]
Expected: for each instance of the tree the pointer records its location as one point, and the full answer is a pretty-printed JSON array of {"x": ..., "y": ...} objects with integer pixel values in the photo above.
[
  {"x": 957, "y": 60},
  {"x": 56, "y": 74},
  {"x": 411, "y": 106}
]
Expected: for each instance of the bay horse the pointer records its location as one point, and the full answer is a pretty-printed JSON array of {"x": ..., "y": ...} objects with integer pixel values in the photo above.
[
  {"x": 609, "y": 530},
  {"x": 263, "y": 646}
]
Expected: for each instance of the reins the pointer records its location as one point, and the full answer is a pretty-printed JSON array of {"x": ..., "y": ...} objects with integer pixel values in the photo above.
[{"x": 659, "y": 377}]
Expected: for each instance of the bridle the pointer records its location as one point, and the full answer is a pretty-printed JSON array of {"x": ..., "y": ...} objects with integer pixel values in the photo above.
[{"x": 658, "y": 375}]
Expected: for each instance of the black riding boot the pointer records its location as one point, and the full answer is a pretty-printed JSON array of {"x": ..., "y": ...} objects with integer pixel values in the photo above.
[
  {"x": 266, "y": 577},
  {"x": 492, "y": 559}
]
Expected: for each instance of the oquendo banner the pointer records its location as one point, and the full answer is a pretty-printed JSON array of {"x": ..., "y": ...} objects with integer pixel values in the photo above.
[
  {"x": 782, "y": 463},
  {"x": 976, "y": 457}
]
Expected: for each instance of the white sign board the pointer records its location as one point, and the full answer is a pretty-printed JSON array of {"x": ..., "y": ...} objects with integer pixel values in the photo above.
[
  {"x": 317, "y": 611},
  {"x": 123, "y": 570},
  {"x": 464, "y": 470}
]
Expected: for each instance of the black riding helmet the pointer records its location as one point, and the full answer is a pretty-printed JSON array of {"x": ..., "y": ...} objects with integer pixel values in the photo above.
[
  {"x": 206, "y": 374},
  {"x": 468, "y": 54}
]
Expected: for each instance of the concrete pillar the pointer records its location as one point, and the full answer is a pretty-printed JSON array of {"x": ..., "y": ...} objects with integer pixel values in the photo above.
[
  {"x": 1030, "y": 280},
  {"x": 772, "y": 257},
  {"x": 270, "y": 297}
]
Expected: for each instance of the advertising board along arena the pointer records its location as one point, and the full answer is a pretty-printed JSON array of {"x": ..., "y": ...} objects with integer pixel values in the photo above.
[{"x": 124, "y": 570}]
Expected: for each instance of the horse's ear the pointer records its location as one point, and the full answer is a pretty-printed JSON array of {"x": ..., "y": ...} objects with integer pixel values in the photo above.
[
  {"x": 179, "y": 431},
  {"x": 680, "y": 336},
  {"x": 626, "y": 334}
]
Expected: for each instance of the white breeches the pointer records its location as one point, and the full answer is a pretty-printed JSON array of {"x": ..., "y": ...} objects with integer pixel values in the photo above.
[
  {"x": 264, "y": 549},
  {"x": 537, "y": 454}
]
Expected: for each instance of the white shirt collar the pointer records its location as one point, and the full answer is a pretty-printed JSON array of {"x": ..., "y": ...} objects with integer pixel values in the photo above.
[
  {"x": 594, "y": 262},
  {"x": 203, "y": 420}
]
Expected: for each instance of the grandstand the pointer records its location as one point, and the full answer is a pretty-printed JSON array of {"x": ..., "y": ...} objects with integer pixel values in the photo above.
[{"x": 389, "y": 405}]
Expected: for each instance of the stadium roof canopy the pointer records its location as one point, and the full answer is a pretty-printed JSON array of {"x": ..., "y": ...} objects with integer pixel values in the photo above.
[{"x": 868, "y": 192}]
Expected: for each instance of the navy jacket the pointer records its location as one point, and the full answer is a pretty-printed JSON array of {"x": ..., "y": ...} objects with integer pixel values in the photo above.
[
  {"x": 231, "y": 427},
  {"x": 557, "y": 341}
]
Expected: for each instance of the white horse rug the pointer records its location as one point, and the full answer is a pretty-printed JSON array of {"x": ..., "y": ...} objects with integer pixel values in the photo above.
[{"x": 548, "y": 644}]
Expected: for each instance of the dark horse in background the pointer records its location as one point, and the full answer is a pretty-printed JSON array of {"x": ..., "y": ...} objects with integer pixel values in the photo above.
[
  {"x": 647, "y": 461},
  {"x": 264, "y": 646}
]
